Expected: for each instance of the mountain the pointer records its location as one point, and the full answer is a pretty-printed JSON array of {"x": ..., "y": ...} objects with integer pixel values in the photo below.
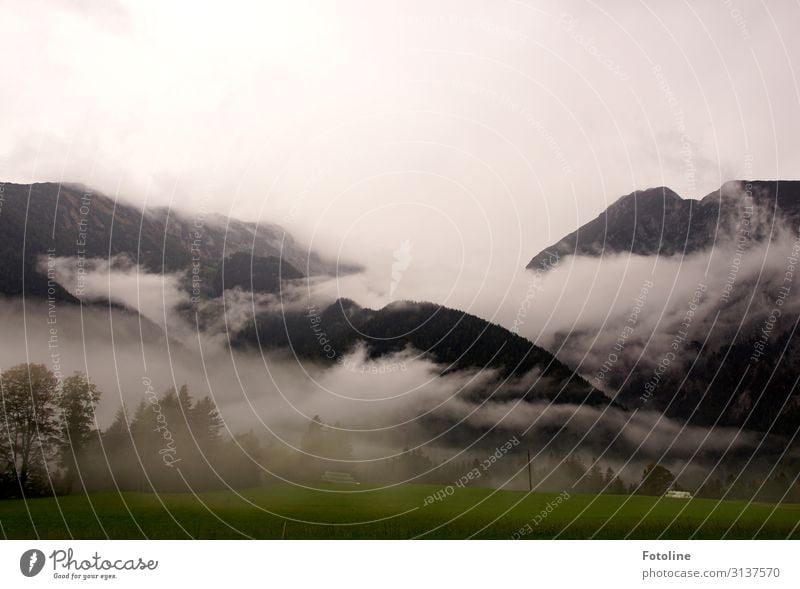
[
  {"x": 716, "y": 377},
  {"x": 212, "y": 253},
  {"x": 657, "y": 221},
  {"x": 65, "y": 220},
  {"x": 730, "y": 355},
  {"x": 726, "y": 387},
  {"x": 453, "y": 339},
  {"x": 248, "y": 272}
]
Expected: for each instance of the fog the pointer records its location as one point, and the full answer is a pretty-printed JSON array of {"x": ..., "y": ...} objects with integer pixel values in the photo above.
[
  {"x": 714, "y": 294},
  {"x": 439, "y": 148},
  {"x": 577, "y": 309},
  {"x": 385, "y": 405}
]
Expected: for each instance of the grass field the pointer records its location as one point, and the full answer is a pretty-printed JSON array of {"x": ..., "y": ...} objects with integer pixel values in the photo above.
[{"x": 399, "y": 512}]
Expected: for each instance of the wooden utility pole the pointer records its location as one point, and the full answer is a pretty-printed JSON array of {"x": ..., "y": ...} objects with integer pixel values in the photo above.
[{"x": 530, "y": 478}]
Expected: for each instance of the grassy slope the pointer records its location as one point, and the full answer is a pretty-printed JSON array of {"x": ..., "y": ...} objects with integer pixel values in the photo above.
[{"x": 226, "y": 515}]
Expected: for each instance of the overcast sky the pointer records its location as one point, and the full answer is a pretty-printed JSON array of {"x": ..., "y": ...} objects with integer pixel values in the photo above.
[{"x": 478, "y": 132}]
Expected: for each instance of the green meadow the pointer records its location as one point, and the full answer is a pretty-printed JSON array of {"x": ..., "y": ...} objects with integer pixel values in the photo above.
[{"x": 400, "y": 512}]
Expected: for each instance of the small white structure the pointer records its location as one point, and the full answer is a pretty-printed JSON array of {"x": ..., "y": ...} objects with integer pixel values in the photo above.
[
  {"x": 678, "y": 494},
  {"x": 341, "y": 478}
]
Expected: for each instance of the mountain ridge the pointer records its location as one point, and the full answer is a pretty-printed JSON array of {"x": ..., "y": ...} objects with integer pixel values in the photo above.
[
  {"x": 658, "y": 221},
  {"x": 713, "y": 377},
  {"x": 73, "y": 221},
  {"x": 452, "y": 339}
]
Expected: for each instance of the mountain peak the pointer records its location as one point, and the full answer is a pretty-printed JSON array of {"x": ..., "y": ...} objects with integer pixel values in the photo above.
[
  {"x": 347, "y": 304},
  {"x": 657, "y": 221},
  {"x": 647, "y": 196}
]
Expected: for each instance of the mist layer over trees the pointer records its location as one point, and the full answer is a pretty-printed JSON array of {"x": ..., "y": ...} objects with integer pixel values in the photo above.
[{"x": 172, "y": 442}]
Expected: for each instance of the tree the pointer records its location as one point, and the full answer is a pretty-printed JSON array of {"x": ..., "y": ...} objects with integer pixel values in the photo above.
[
  {"x": 711, "y": 489},
  {"x": 314, "y": 439},
  {"x": 119, "y": 428},
  {"x": 569, "y": 472},
  {"x": 774, "y": 488},
  {"x": 614, "y": 484},
  {"x": 411, "y": 464},
  {"x": 593, "y": 481},
  {"x": 76, "y": 404},
  {"x": 338, "y": 442},
  {"x": 205, "y": 423},
  {"x": 168, "y": 443},
  {"x": 316, "y": 449},
  {"x": 242, "y": 460},
  {"x": 656, "y": 480},
  {"x": 28, "y": 423}
]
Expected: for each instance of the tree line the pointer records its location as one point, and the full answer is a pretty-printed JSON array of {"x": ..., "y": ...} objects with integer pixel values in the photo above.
[
  {"x": 50, "y": 443},
  {"x": 42, "y": 424}
]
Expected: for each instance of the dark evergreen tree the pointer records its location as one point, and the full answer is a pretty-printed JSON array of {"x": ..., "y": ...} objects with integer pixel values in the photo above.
[
  {"x": 656, "y": 480},
  {"x": 76, "y": 402},
  {"x": 614, "y": 485}
]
